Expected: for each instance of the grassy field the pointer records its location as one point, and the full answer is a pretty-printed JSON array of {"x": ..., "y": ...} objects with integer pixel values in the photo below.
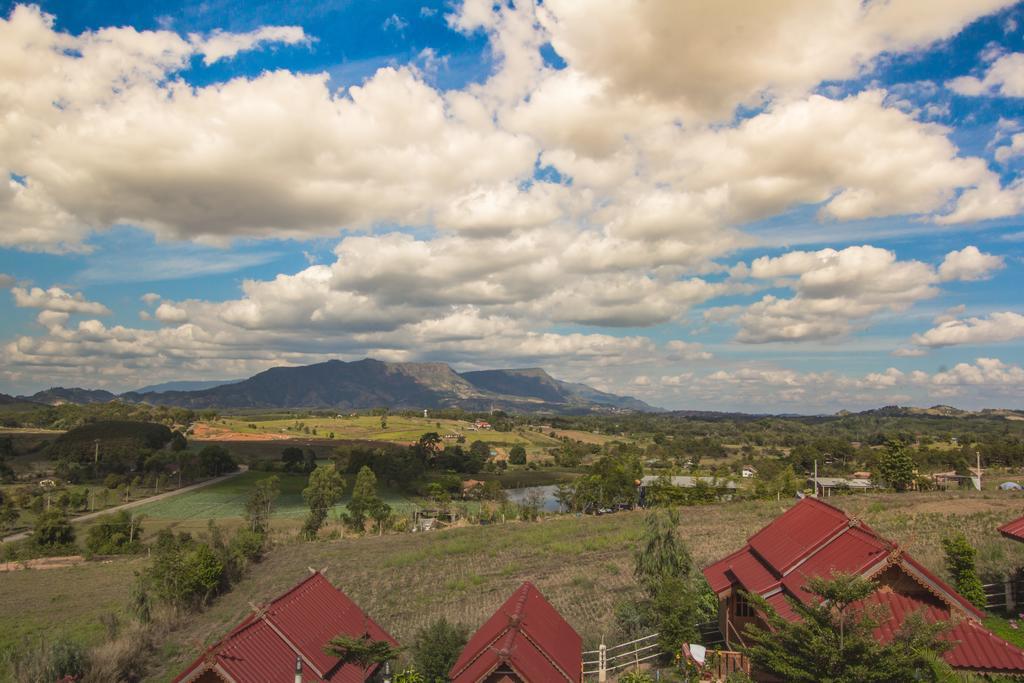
[
  {"x": 399, "y": 429},
  {"x": 583, "y": 564}
]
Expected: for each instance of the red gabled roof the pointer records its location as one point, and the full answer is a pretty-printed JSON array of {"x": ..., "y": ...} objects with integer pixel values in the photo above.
[
  {"x": 974, "y": 647},
  {"x": 813, "y": 538},
  {"x": 1013, "y": 529},
  {"x": 527, "y": 634},
  {"x": 299, "y": 623}
]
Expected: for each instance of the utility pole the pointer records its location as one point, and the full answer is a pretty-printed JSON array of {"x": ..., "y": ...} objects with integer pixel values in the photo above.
[
  {"x": 815, "y": 478},
  {"x": 96, "y": 459}
]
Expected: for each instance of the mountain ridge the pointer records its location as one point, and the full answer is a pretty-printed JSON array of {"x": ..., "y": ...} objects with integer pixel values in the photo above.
[{"x": 371, "y": 383}]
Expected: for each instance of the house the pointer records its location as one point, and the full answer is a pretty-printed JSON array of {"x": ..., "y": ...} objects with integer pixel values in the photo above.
[
  {"x": 748, "y": 471},
  {"x": 825, "y": 486},
  {"x": 471, "y": 487},
  {"x": 480, "y": 424},
  {"x": 813, "y": 538},
  {"x": 277, "y": 640},
  {"x": 945, "y": 480},
  {"x": 861, "y": 475},
  {"x": 525, "y": 641}
]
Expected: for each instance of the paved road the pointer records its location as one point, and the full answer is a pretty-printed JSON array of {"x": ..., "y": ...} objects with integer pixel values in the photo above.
[{"x": 136, "y": 503}]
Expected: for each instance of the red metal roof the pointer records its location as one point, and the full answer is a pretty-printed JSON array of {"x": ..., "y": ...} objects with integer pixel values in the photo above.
[
  {"x": 527, "y": 634},
  {"x": 799, "y": 530},
  {"x": 815, "y": 539},
  {"x": 1014, "y": 529},
  {"x": 975, "y": 648},
  {"x": 299, "y": 623}
]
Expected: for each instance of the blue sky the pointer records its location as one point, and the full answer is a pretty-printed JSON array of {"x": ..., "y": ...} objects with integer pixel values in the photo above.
[{"x": 698, "y": 209}]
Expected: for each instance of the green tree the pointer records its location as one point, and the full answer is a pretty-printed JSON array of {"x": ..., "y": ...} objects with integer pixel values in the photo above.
[
  {"x": 53, "y": 530},
  {"x": 260, "y": 504},
  {"x": 292, "y": 459},
  {"x": 115, "y": 534},
  {"x": 896, "y": 467},
  {"x": 436, "y": 647},
  {"x": 517, "y": 455},
  {"x": 215, "y": 460},
  {"x": 960, "y": 561},
  {"x": 363, "y": 651},
  {"x": 676, "y": 596},
  {"x": 324, "y": 490},
  {"x": 832, "y": 640},
  {"x": 364, "y": 499}
]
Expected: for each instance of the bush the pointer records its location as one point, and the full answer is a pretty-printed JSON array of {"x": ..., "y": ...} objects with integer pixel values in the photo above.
[
  {"x": 960, "y": 561},
  {"x": 115, "y": 534},
  {"x": 517, "y": 455},
  {"x": 53, "y": 530},
  {"x": 436, "y": 648},
  {"x": 45, "y": 661}
]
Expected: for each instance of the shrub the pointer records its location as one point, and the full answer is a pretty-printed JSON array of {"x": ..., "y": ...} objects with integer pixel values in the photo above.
[
  {"x": 436, "y": 648},
  {"x": 115, "y": 534},
  {"x": 960, "y": 560},
  {"x": 53, "y": 530}
]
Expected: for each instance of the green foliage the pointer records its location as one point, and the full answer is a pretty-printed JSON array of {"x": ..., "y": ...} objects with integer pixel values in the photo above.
[
  {"x": 260, "y": 504},
  {"x": 662, "y": 554},
  {"x": 53, "y": 530},
  {"x": 185, "y": 573},
  {"x": 676, "y": 596},
  {"x": 324, "y": 490},
  {"x": 292, "y": 458},
  {"x": 115, "y": 534},
  {"x": 436, "y": 647},
  {"x": 896, "y": 467},
  {"x": 832, "y": 641},
  {"x": 364, "y": 502},
  {"x": 636, "y": 677},
  {"x": 362, "y": 651},
  {"x": 215, "y": 460},
  {"x": 409, "y": 675},
  {"x": 960, "y": 561},
  {"x": 45, "y": 661},
  {"x": 517, "y": 455}
]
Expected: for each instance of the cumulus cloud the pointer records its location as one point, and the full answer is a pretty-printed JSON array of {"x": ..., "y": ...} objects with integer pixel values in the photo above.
[
  {"x": 835, "y": 291},
  {"x": 659, "y": 49},
  {"x": 169, "y": 313},
  {"x": 1015, "y": 148},
  {"x": 1005, "y": 77},
  {"x": 969, "y": 263},
  {"x": 56, "y": 299},
  {"x": 996, "y": 327}
]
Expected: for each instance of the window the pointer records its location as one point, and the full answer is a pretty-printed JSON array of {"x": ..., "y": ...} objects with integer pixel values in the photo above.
[{"x": 742, "y": 607}]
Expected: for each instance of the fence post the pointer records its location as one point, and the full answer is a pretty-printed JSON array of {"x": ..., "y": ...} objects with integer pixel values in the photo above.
[
  {"x": 1008, "y": 587},
  {"x": 602, "y": 663}
]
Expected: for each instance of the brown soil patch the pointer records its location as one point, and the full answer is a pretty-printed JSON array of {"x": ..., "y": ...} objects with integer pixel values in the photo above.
[
  {"x": 42, "y": 563},
  {"x": 201, "y": 431}
]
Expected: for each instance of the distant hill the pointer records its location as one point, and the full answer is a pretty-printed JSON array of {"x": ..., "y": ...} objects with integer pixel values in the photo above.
[
  {"x": 372, "y": 383},
  {"x": 186, "y": 385},
  {"x": 56, "y": 396},
  {"x": 537, "y": 384}
]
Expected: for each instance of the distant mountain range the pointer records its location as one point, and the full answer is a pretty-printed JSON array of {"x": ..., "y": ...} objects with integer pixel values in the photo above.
[
  {"x": 186, "y": 385},
  {"x": 372, "y": 383},
  {"x": 55, "y": 396}
]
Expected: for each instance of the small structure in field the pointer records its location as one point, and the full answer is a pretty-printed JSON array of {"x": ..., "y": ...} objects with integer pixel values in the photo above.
[
  {"x": 813, "y": 538},
  {"x": 748, "y": 471},
  {"x": 525, "y": 641},
  {"x": 285, "y": 639},
  {"x": 826, "y": 486}
]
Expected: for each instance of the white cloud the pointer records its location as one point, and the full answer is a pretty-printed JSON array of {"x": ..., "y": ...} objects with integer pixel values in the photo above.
[
  {"x": 169, "y": 313},
  {"x": 995, "y": 327},
  {"x": 835, "y": 292},
  {"x": 6, "y": 281},
  {"x": 659, "y": 49},
  {"x": 220, "y": 45},
  {"x": 969, "y": 263},
  {"x": 56, "y": 299},
  {"x": 1014, "y": 149},
  {"x": 681, "y": 350},
  {"x": 1005, "y": 77},
  {"x": 150, "y": 298}
]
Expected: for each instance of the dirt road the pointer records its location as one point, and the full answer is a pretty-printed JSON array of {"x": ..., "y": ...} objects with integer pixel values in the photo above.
[{"x": 136, "y": 503}]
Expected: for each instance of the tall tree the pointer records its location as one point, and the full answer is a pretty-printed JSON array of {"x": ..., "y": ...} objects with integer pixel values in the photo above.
[
  {"x": 365, "y": 502},
  {"x": 260, "y": 504},
  {"x": 896, "y": 466},
  {"x": 325, "y": 488}
]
